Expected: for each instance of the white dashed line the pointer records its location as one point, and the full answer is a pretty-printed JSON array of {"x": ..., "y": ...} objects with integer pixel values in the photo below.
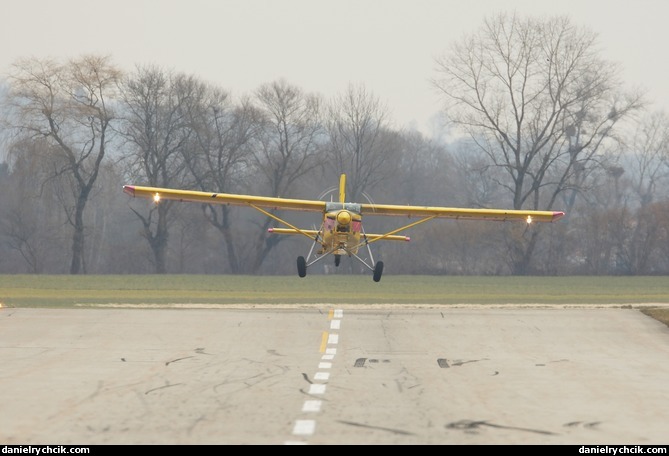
[
  {"x": 312, "y": 406},
  {"x": 322, "y": 376},
  {"x": 317, "y": 388},
  {"x": 307, "y": 427},
  {"x": 304, "y": 427}
]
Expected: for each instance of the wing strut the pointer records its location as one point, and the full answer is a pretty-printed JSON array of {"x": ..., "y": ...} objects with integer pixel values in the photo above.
[
  {"x": 390, "y": 233},
  {"x": 268, "y": 214}
]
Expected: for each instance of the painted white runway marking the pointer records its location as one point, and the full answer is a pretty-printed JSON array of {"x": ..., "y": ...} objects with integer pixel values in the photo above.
[
  {"x": 304, "y": 427},
  {"x": 307, "y": 427},
  {"x": 322, "y": 376},
  {"x": 317, "y": 388},
  {"x": 312, "y": 406}
]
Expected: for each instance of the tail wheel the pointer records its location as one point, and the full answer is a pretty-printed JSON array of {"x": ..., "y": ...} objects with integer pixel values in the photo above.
[
  {"x": 301, "y": 266},
  {"x": 378, "y": 270}
]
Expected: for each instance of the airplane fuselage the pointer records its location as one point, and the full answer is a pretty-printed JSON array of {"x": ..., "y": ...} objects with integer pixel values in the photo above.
[{"x": 341, "y": 231}]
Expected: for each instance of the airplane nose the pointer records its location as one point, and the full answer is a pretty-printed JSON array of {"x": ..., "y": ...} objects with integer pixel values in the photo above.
[{"x": 344, "y": 217}]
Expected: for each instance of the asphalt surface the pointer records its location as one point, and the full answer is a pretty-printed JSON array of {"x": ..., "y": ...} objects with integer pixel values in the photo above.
[{"x": 329, "y": 375}]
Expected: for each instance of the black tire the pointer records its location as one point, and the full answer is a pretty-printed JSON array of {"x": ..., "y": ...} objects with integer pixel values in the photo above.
[
  {"x": 301, "y": 266},
  {"x": 378, "y": 270},
  {"x": 337, "y": 260}
]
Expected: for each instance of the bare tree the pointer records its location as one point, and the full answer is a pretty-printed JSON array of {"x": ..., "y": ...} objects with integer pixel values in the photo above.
[
  {"x": 71, "y": 106},
  {"x": 424, "y": 175},
  {"x": 644, "y": 167},
  {"x": 540, "y": 102},
  {"x": 661, "y": 253},
  {"x": 287, "y": 147},
  {"x": 31, "y": 224},
  {"x": 218, "y": 157},
  {"x": 361, "y": 143},
  {"x": 647, "y": 157},
  {"x": 157, "y": 127}
]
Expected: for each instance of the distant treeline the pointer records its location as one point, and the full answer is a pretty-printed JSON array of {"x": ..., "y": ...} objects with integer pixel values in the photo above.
[{"x": 555, "y": 130}]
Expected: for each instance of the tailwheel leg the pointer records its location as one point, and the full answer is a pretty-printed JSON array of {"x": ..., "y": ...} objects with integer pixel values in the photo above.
[
  {"x": 378, "y": 270},
  {"x": 301, "y": 266},
  {"x": 337, "y": 260}
]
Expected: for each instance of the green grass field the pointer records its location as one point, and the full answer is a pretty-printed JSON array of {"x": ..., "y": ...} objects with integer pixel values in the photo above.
[
  {"x": 651, "y": 294},
  {"x": 69, "y": 290}
]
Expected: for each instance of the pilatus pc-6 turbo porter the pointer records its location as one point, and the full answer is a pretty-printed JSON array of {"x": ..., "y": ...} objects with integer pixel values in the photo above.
[{"x": 341, "y": 231}]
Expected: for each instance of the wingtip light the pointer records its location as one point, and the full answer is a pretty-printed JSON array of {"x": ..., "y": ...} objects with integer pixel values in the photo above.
[{"x": 156, "y": 198}]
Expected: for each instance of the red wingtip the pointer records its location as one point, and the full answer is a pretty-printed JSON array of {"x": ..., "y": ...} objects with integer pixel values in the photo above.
[
  {"x": 270, "y": 230},
  {"x": 557, "y": 215},
  {"x": 129, "y": 189}
]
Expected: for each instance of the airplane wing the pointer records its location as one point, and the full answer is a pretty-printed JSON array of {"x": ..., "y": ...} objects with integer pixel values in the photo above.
[
  {"x": 461, "y": 213},
  {"x": 157, "y": 194}
]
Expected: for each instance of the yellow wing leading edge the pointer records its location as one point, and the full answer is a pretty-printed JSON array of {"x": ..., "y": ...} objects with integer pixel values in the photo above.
[{"x": 157, "y": 194}]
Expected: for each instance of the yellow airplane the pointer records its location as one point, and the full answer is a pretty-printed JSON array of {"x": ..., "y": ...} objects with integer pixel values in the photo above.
[{"x": 341, "y": 231}]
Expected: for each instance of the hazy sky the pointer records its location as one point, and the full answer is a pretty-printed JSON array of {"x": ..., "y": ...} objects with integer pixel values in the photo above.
[{"x": 390, "y": 46}]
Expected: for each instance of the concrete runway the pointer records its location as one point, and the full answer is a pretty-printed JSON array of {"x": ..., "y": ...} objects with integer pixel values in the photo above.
[{"x": 325, "y": 375}]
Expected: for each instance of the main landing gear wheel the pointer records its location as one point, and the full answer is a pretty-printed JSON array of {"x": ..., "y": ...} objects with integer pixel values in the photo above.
[
  {"x": 337, "y": 260},
  {"x": 301, "y": 266},
  {"x": 378, "y": 270}
]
